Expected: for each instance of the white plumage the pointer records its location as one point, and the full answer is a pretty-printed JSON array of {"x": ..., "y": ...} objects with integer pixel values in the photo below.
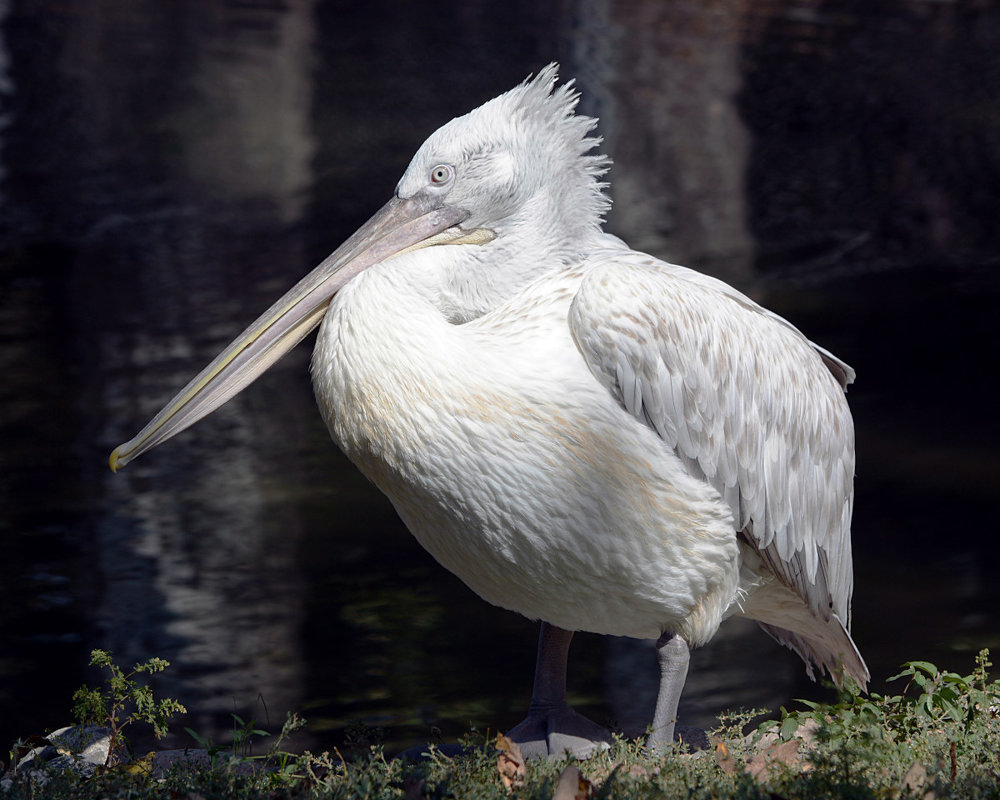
[{"x": 582, "y": 433}]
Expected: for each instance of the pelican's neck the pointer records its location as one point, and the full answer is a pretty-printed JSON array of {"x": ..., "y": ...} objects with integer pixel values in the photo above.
[
  {"x": 379, "y": 344},
  {"x": 466, "y": 282}
]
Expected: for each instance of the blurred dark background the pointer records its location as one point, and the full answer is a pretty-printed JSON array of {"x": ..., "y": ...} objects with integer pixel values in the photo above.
[{"x": 167, "y": 169}]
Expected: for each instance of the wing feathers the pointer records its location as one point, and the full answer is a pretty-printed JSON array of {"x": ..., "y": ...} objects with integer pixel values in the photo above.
[{"x": 749, "y": 404}]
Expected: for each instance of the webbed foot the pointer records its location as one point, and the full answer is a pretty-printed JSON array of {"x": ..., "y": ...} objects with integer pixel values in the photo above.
[{"x": 558, "y": 730}]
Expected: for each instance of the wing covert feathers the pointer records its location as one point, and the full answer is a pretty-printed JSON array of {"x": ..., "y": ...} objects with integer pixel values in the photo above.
[{"x": 747, "y": 402}]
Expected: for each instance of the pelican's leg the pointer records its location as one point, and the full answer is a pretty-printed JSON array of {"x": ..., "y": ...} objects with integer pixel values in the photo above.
[
  {"x": 552, "y": 727},
  {"x": 672, "y": 653}
]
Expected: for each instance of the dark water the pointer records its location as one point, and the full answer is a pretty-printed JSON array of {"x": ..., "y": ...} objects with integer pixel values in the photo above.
[{"x": 168, "y": 169}]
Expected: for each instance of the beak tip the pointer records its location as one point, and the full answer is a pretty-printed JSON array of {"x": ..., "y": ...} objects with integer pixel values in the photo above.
[{"x": 115, "y": 461}]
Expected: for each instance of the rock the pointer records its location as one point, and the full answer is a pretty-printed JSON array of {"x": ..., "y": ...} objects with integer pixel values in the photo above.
[
  {"x": 81, "y": 748},
  {"x": 36, "y": 758},
  {"x": 84, "y": 749},
  {"x": 91, "y": 743},
  {"x": 165, "y": 760}
]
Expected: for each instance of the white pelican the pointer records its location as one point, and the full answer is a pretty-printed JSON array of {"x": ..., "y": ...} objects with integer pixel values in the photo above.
[{"x": 582, "y": 433}]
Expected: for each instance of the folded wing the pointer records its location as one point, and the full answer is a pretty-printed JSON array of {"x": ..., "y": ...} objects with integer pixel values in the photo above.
[{"x": 746, "y": 401}]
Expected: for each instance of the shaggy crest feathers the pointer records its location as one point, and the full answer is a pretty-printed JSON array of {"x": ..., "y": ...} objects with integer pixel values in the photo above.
[{"x": 549, "y": 112}]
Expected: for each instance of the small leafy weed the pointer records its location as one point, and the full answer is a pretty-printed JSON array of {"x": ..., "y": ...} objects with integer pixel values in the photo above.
[{"x": 123, "y": 700}]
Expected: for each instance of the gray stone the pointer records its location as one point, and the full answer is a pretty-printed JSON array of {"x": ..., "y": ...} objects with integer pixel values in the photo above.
[
  {"x": 90, "y": 742},
  {"x": 188, "y": 758},
  {"x": 82, "y": 749}
]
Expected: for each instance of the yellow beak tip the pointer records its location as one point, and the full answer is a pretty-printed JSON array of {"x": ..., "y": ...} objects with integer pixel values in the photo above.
[{"x": 114, "y": 459}]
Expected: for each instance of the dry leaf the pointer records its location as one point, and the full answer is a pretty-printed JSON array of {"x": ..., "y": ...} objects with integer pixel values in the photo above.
[
  {"x": 510, "y": 763},
  {"x": 915, "y": 780},
  {"x": 144, "y": 766},
  {"x": 573, "y": 786},
  {"x": 762, "y": 764},
  {"x": 727, "y": 761}
]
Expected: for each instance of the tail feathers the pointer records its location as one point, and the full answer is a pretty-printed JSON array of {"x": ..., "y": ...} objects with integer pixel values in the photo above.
[
  {"x": 826, "y": 645},
  {"x": 823, "y": 643}
]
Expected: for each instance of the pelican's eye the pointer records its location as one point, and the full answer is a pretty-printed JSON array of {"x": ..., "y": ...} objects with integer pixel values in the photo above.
[{"x": 442, "y": 174}]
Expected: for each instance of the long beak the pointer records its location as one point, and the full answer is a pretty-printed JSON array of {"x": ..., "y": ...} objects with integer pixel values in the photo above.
[{"x": 401, "y": 225}]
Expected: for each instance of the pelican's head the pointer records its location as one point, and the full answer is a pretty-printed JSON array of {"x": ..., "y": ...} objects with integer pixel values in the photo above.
[
  {"x": 515, "y": 154},
  {"x": 513, "y": 180},
  {"x": 521, "y": 166}
]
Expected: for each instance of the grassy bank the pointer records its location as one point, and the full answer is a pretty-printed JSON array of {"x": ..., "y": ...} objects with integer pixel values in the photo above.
[{"x": 938, "y": 738}]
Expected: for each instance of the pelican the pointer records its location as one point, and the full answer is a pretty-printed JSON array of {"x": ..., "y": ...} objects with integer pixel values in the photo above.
[{"x": 582, "y": 433}]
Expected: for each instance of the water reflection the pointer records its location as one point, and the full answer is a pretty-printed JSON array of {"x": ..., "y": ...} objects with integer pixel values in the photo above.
[
  {"x": 681, "y": 93},
  {"x": 169, "y": 170}
]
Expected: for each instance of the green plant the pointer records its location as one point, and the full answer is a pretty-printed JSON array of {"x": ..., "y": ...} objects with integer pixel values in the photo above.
[
  {"x": 282, "y": 759},
  {"x": 123, "y": 700},
  {"x": 930, "y": 698},
  {"x": 207, "y": 744},
  {"x": 946, "y": 695},
  {"x": 243, "y": 733},
  {"x": 942, "y": 725}
]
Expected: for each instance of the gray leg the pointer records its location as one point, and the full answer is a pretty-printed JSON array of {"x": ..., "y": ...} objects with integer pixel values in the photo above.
[
  {"x": 672, "y": 653},
  {"x": 552, "y": 727}
]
